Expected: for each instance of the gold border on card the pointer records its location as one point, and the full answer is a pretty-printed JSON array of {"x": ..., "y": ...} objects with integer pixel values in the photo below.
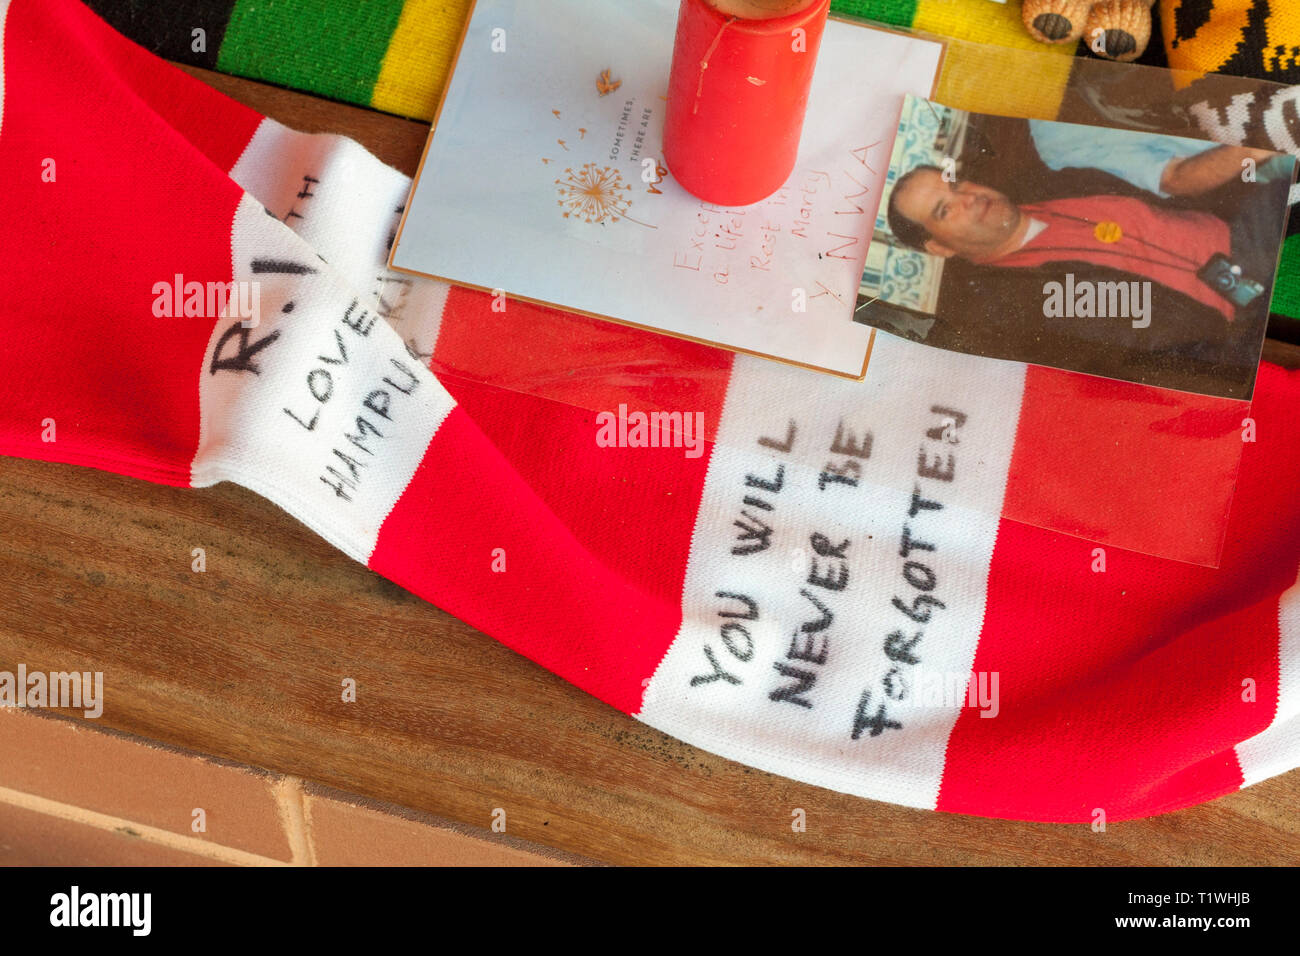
[{"x": 415, "y": 181}]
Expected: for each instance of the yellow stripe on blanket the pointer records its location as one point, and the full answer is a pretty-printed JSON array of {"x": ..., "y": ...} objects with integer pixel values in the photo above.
[
  {"x": 418, "y": 62},
  {"x": 1009, "y": 72},
  {"x": 980, "y": 21}
]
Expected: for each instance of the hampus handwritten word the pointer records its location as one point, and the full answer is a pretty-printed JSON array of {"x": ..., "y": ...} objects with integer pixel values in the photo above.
[
  {"x": 375, "y": 416},
  {"x": 74, "y": 908},
  {"x": 356, "y": 448},
  {"x": 651, "y": 430},
  {"x": 919, "y": 599},
  {"x": 82, "y": 690}
]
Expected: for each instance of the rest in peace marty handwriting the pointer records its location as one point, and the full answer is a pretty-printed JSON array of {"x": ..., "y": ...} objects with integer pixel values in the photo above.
[{"x": 727, "y": 242}]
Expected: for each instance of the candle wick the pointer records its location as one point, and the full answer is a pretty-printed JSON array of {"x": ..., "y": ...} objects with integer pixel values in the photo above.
[{"x": 704, "y": 63}]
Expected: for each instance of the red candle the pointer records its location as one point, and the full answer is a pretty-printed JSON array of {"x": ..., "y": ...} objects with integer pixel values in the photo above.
[{"x": 737, "y": 95}]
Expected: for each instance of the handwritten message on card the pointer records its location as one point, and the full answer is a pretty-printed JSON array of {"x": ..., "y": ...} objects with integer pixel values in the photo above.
[{"x": 545, "y": 179}]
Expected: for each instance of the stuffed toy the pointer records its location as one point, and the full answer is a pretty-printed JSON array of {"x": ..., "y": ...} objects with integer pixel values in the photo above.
[{"x": 1115, "y": 29}]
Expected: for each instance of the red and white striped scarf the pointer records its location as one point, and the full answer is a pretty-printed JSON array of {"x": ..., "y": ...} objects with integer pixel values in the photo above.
[{"x": 800, "y": 597}]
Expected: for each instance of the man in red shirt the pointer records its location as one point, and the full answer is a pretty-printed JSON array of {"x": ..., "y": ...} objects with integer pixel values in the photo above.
[
  {"x": 1108, "y": 236},
  {"x": 982, "y": 225}
]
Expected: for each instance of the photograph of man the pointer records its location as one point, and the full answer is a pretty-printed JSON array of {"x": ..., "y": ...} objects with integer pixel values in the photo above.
[{"x": 1108, "y": 267}]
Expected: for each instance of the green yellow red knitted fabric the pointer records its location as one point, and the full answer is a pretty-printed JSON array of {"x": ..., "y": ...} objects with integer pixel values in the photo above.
[{"x": 396, "y": 55}]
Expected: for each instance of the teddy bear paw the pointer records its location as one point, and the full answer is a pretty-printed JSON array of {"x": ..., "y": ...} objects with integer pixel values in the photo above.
[
  {"x": 1119, "y": 29},
  {"x": 1055, "y": 21}
]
